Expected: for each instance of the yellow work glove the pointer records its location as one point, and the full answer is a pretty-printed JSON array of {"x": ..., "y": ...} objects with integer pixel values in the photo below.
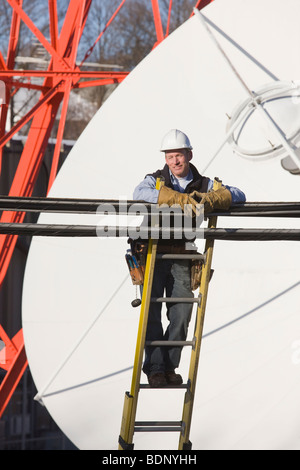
[
  {"x": 219, "y": 199},
  {"x": 174, "y": 198}
]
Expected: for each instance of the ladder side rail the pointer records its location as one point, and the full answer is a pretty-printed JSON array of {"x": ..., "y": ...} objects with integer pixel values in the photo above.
[
  {"x": 130, "y": 404},
  {"x": 184, "y": 442},
  {"x": 131, "y": 399}
]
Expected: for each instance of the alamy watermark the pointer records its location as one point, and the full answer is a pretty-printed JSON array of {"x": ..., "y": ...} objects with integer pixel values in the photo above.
[{"x": 158, "y": 222}]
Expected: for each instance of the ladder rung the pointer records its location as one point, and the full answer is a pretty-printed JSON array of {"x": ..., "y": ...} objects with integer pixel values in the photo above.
[
  {"x": 183, "y": 300},
  {"x": 180, "y": 256},
  {"x": 146, "y": 386},
  {"x": 158, "y": 426},
  {"x": 170, "y": 343}
]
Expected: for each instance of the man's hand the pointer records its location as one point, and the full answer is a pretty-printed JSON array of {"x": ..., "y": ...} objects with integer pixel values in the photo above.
[
  {"x": 219, "y": 199},
  {"x": 173, "y": 198}
]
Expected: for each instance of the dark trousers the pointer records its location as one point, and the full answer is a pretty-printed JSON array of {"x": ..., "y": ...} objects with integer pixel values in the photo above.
[{"x": 172, "y": 278}]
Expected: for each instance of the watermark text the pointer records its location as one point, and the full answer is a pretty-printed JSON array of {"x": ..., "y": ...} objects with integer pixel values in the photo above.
[{"x": 157, "y": 222}]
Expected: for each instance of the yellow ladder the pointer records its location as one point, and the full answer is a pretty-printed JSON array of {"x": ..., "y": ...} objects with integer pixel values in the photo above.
[{"x": 129, "y": 426}]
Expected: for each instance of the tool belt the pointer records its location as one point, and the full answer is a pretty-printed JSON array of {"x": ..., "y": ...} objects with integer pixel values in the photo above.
[
  {"x": 136, "y": 261},
  {"x": 196, "y": 272}
]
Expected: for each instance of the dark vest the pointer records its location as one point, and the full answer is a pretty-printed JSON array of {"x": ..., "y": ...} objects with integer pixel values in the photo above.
[{"x": 199, "y": 183}]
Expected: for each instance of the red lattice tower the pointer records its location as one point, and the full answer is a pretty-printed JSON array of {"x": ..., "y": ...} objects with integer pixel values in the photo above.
[{"x": 61, "y": 76}]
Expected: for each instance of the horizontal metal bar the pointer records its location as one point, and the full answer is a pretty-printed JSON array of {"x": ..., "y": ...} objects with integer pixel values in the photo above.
[
  {"x": 35, "y": 204},
  {"x": 275, "y": 213},
  {"x": 170, "y": 343},
  {"x": 158, "y": 426},
  {"x": 157, "y": 429},
  {"x": 66, "y": 205},
  {"x": 182, "y": 300},
  {"x": 62, "y": 73},
  {"x": 181, "y": 256},
  {"x": 240, "y": 234},
  {"x": 181, "y": 386},
  {"x": 158, "y": 423},
  {"x": 233, "y": 234}
]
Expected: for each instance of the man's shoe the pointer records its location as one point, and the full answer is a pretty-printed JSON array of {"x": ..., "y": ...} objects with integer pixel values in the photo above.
[
  {"x": 172, "y": 378},
  {"x": 157, "y": 380}
]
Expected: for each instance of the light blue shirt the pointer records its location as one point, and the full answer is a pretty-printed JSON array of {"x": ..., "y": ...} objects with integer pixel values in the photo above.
[{"x": 146, "y": 190}]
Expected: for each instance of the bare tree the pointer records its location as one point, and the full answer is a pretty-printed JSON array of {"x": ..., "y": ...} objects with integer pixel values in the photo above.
[{"x": 130, "y": 37}]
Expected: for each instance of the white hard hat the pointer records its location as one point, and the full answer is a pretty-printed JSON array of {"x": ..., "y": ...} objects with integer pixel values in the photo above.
[{"x": 175, "y": 140}]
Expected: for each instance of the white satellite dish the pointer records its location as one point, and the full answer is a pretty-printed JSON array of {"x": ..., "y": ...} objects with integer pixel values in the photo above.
[{"x": 79, "y": 326}]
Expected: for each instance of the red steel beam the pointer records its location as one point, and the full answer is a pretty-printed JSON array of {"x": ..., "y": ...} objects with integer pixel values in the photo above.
[
  {"x": 82, "y": 84},
  {"x": 78, "y": 22},
  {"x": 157, "y": 22},
  {"x": 169, "y": 18},
  {"x": 53, "y": 23},
  {"x": 27, "y": 172},
  {"x": 2, "y": 62},
  {"x": 43, "y": 120},
  {"x": 13, "y": 360},
  {"x": 202, "y": 3},
  {"x": 59, "y": 136},
  {"x": 14, "y": 36},
  {"x": 30, "y": 86},
  {"x": 30, "y": 161},
  {"x": 91, "y": 83},
  {"x": 47, "y": 97},
  {"x": 61, "y": 73},
  {"x": 29, "y": 23},
  {"x": 11, "y": 54}
]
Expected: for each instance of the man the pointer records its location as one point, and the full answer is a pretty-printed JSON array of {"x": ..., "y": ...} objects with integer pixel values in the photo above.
[{"x": 182, "y": 185}]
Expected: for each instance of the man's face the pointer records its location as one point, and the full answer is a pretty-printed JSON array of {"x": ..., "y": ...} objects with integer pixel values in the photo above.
[{"x": 178, "y": 161}]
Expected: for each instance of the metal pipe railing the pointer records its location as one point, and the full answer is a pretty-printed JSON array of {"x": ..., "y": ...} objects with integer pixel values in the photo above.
[
  {"x": 60, "y": 230},
  {"x": 113, "y": 206}
]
